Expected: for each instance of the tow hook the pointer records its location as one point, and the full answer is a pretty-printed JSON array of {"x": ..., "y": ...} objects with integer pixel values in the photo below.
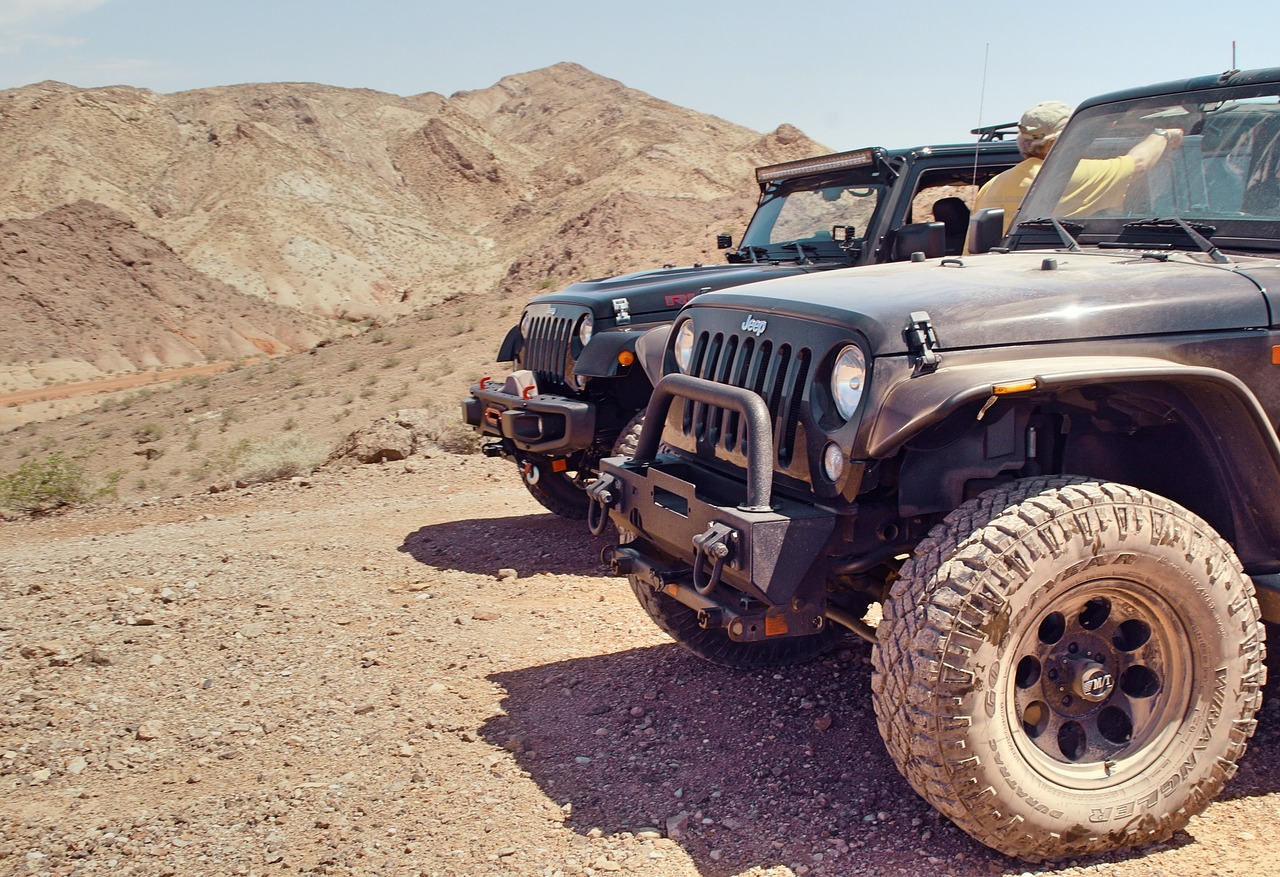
[
  {"x": 713, "y": 545},
  {"x": 531, "y": 472},
  {"x": 602, "y": 496}
]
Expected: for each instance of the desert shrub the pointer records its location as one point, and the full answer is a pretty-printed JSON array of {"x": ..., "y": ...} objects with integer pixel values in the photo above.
[
  {"x": 52, "y": 482},
  {"x": 277, "y": 458},
  {"x": 149, "y": 432}
]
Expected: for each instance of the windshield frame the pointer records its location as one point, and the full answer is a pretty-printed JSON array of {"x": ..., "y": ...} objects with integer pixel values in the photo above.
[{"x": 760, "y": 230}]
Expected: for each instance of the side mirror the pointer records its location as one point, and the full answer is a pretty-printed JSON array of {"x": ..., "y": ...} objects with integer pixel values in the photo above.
[
  {"x": 723, "y": 242},
  {"x": 986, "y": 229},
  {"x": 929, "y": 238}
]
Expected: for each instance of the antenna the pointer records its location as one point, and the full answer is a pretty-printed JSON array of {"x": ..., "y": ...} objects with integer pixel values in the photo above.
[
  {"x": 1233, "y": 56},
  {"x": 982, "y": 97}
]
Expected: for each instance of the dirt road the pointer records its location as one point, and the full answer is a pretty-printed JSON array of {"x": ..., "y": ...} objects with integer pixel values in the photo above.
[
  {"x": 109, "y": 385},
  {"x": 338, "y": 677}
]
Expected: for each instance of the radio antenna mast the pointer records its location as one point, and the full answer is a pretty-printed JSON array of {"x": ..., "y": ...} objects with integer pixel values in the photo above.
[{"x": 982, "y": 97}]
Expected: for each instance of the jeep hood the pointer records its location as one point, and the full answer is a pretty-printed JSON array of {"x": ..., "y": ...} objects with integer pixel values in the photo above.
[
  {"x": 664, "y": 290},
  {"x": 1019, "y": 298}
]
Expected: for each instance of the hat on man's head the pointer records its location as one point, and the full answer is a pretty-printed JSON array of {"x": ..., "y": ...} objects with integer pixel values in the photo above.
[{"x": 1045, "y": 118}]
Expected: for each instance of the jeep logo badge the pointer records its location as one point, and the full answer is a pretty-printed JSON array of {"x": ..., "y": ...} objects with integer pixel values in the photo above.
[{"x": 754, "y": 326}]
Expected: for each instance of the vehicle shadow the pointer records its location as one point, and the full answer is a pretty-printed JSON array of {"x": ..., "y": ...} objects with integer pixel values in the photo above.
[
  {"x": 742, "y": 769},
  {"x": 753, "y": 769},
  {"x": 528, "y": 544}
]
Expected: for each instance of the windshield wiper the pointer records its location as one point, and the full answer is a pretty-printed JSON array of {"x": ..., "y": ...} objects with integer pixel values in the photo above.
[
  {"x": 1192, "y": 231},
  {"x": 801, "y": 251},
  {"x": 1065, "y": 231}
]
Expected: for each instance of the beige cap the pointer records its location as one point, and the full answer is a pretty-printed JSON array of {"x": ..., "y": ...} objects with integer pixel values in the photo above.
[{"x": 1045, "y": 118}]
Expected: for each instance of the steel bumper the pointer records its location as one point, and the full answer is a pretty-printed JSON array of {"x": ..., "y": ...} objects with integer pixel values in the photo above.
[
  {"x": 541, "y": 424},
  {"x": 687, "y": 522}
]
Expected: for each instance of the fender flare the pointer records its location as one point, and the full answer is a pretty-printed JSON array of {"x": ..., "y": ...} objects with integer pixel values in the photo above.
[
  {"x": 1220, "y": 409},
  {"x": 510, "y": 345},
  {"x": 599, "y": 359}
]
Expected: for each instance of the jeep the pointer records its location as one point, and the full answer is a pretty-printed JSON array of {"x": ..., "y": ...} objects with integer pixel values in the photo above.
[
  {"x": 577, "y": 393},
  {"x": 1040, "y": 480}
]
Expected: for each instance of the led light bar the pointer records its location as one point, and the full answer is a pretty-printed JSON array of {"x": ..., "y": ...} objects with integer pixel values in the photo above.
[{"x": 800, "y": 167}]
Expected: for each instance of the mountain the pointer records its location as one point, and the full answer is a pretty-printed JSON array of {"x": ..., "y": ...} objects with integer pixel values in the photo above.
[{"x": 354, "y": 204}]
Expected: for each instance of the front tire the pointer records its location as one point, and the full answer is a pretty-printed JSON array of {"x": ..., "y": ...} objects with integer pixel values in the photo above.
[
  {"x": 1067, "y": 667},
  {"x": 681, "y": 623},
  {"x": 557, "y": 492},
  {"x": 562, "y": 492}
]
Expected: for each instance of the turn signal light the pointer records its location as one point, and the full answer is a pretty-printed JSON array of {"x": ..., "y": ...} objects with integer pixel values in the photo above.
[
  {"x": 626, "y": 357},
  {"x": 1014, "y": 387}
]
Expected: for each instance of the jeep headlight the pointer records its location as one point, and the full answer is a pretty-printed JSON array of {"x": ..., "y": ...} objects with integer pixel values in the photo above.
[
  {"x": 526, "y": 323},
  {"x": 585, "y": 328},
  {"x": 683, "y": 348},
  {"x": 847, "y": 379}
]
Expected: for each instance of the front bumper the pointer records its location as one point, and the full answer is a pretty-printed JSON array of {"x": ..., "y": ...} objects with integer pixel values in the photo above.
[
  {"x": 724, "y": 547},
  {"x": 536, "y": 423}
]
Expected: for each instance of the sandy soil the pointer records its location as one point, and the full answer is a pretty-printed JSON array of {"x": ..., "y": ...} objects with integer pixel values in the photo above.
[{"x": 411, "y": 669}]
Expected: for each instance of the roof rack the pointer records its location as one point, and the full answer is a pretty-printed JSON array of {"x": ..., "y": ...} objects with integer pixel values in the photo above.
[{"x": 995, "y": 132}]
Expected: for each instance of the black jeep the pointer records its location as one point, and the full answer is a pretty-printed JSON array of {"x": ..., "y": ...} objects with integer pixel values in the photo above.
[
  {"x": 1041, "y": 480},
  {"x": 577, "y": 393}
]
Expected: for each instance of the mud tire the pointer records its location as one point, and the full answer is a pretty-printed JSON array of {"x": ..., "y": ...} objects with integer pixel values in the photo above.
[
  {"x": 681, "y": 623},
  {"x": 557, "y": 492},
  {"x": 991, "y": 602}
]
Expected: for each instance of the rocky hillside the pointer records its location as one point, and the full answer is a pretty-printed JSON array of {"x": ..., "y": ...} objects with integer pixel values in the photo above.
[
  {"x": 82, "y": 280},
  {"x": 359, "y": 204}
]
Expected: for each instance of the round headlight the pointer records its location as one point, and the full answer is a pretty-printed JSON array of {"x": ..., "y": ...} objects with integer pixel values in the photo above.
[
  {"x": 526, "y": 322},
  {"x": 847, "y": 379},
  {"x": 684, "y": 346},
  {"x": 832, "y": 461},
  {"x": 585, "y": 328}
]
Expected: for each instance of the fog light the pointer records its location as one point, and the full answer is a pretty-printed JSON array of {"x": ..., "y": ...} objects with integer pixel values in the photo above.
[{"x": 832, "y": 461}]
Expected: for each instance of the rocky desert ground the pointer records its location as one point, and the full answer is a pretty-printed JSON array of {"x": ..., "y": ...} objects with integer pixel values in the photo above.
[{"x": 411, "y": 668}]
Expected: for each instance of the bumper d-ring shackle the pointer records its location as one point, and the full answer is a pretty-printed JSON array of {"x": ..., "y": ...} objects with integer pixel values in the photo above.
[
  {"x": 601, "y": 497},
  {"x": 713, "y": 546}
]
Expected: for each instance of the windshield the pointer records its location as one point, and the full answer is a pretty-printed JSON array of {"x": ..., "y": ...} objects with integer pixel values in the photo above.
[
  {"x": 797, "y": 216},
  {"x": 1213, "y": 164}
]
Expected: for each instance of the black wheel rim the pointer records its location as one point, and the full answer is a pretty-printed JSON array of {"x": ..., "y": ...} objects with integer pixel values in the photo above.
[{"x": 1099, "y": 683}]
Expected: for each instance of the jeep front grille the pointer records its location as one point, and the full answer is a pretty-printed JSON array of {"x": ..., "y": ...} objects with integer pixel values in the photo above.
[
  {"x": 546, "y": 350},
  {"x": 777, "y": 374}
]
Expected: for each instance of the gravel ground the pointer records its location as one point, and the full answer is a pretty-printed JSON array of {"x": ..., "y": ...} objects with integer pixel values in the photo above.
[{"x": 412, "y": 669}]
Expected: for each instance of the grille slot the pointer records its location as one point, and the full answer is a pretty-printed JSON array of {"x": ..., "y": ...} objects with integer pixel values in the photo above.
[
  {"x": 546, "y": 349},
  {"x": 775, "y": 374}
]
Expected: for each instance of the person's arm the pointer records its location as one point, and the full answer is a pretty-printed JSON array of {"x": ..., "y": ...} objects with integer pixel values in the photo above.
[{"x": 1149, "y": 149}]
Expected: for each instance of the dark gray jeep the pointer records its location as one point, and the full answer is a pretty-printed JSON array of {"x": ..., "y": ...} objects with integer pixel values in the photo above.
[
  {"x": 577, "y": 392},
  {"x": 1042, "y": 480}
]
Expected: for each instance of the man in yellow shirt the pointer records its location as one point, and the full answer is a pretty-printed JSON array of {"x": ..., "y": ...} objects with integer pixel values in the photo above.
[
  {"x": 1096, "y": 184},
  {"x": 1038, "y": 129}
]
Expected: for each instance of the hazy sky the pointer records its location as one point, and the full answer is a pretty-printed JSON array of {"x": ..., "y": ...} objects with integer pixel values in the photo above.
[{"x": 848, "y": 73}]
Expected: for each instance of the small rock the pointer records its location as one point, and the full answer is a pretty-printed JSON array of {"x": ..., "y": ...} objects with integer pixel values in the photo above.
[
  {"x": 677, "y": 825},
  {"x": 147, "y": 731},
  {"x": 506, "y": 574},
  {"x": 822, "y": 723}
]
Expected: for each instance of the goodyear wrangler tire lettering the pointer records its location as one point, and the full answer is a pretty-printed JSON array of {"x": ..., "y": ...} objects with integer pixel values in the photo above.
[{"x": 1121, "y": 701}]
